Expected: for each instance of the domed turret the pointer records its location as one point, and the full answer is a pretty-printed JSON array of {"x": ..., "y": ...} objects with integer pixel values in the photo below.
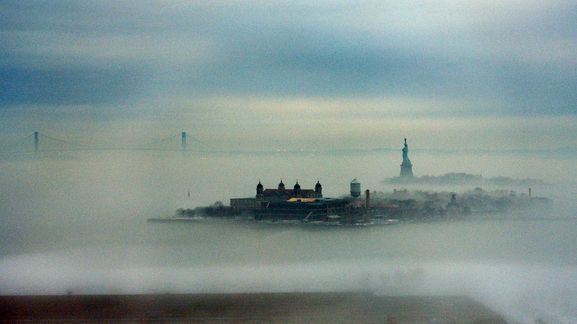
[
  {"x": 319, "y": 188},
  {"x": 259, "y": 189},
  {"x": 281, "y": 185},
  {"x": 297, "y": 189}
]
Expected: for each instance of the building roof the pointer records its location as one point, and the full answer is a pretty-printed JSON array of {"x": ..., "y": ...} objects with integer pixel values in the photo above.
[{"x": 286, "y": 192}]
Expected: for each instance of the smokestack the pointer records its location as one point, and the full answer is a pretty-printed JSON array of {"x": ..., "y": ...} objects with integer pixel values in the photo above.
[
  {"x": 530, "y": 197},
  {"x": 367, "y": 198}
]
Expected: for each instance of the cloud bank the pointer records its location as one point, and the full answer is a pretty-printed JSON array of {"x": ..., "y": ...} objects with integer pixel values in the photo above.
[{"x": 371, "y": 59}]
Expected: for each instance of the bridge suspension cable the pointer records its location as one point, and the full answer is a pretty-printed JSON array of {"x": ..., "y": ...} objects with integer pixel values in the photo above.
[{"x": 55, "y": 139}]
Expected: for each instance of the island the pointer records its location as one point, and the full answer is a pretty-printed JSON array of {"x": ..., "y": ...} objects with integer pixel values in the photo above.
[{"x": 301, "y": 205}]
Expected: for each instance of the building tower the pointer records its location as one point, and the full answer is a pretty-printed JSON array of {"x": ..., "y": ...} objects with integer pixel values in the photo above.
[
  {"x": 319, "y": 189},
  {"x": 281, "y": 185},
  {"x": 406, "y": 166},
  {"x": 259, "y": 189},
  {"x": 297, "y": 189}
]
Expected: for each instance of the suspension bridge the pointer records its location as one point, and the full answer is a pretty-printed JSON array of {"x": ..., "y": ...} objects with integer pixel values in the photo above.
[{"x": 42, "y": 142}]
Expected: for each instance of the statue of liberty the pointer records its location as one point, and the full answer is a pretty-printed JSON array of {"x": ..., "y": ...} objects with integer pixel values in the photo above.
[{"x": 406, "y": 166}]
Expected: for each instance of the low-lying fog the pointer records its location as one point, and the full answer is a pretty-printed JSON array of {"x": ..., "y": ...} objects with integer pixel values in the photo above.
[{"x": 76, "y": 223}]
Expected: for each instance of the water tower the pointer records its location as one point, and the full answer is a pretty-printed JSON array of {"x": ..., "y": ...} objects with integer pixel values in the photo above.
[{"x": 355, "y": 188}]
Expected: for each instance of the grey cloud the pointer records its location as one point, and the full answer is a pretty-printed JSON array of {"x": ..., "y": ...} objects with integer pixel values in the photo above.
[
  {"x": 68, "y": 86},
  {"x": 517, "y": 53}
]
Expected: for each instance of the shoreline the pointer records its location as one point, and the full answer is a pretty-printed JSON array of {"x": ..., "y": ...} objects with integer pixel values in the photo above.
[{"x": 251, "y": 307}]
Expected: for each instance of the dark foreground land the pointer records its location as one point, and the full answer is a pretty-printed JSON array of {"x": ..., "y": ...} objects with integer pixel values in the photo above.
[{"x": 268, "y": 307}]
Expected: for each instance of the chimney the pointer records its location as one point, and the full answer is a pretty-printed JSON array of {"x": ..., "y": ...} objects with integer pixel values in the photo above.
[
  {"x": 368, "y": 198},
  {"x": 530, "y": 197}
]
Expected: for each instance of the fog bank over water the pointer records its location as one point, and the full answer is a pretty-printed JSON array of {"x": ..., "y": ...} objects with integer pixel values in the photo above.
[
  {"x": 287, "y": 124},
  {"x": 76, "y": 222},
  {"x": 296, "y": 90}
]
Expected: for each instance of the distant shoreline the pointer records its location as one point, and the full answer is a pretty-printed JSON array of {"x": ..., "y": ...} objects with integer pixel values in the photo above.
[
  {"x": 317, "y": 307},
  {"x": 461, "y": 178}
]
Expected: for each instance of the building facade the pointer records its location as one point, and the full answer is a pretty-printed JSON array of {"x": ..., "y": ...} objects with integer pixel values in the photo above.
[{"x": 264, "y": 197}]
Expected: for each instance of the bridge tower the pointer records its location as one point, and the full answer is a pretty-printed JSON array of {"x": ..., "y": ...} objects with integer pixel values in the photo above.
[
  {"x": 36, "y": 141},
  {"x": 183, "y": 141}
]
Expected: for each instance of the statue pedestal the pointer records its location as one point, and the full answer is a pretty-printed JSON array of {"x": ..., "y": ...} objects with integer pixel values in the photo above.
[{"x": 406, "y": 170}]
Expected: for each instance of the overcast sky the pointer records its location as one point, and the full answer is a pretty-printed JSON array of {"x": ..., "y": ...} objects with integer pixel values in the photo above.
[{"x": 340, "y": 70}]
